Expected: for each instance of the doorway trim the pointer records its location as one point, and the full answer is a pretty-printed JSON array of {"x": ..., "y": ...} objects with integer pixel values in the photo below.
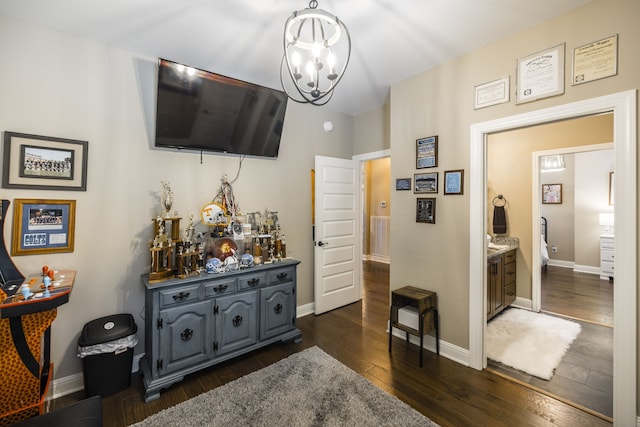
[{"x": 623, "y": 105}]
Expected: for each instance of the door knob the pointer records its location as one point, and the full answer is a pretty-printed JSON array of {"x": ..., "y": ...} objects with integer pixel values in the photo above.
[{"x": 321, "y": 243}]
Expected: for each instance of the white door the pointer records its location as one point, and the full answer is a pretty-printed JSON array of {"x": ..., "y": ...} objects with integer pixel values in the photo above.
[{"x": 337, "y": 233}]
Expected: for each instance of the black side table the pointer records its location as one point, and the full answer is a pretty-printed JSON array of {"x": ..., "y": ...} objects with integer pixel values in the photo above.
[{"x": 426, "y": 303}]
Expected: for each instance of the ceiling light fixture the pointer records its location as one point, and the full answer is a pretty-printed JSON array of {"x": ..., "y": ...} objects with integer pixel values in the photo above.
[
  {"x": 317, "y": 48},
  {"x": 553, "y": 163}
]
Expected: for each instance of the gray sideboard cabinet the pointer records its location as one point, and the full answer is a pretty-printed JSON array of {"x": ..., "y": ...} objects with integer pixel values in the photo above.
[{"x": 203, "y": 320}]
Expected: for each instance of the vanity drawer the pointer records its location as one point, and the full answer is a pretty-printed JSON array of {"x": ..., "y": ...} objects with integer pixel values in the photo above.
[
  {"x": 509, "y": 294},
  {"x": 509, "y": 273},
  {"x": 509, "y": 257},
  {"x": 180, "y": 295}
]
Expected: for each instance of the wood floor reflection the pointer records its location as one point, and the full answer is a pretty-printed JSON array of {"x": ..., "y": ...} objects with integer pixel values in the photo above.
[
  {"x": 443, "y": 390},
  {"x": 585, "y": 375}
]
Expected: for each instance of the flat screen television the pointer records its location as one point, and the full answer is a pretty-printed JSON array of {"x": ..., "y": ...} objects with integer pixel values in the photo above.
[{"x": 205, "y": 111}]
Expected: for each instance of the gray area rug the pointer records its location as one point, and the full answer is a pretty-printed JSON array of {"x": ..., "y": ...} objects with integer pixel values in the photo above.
[{"x": 309, "y": 388}]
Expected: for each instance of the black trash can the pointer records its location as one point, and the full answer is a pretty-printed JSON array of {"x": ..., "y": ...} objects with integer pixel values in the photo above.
[{"x": 106, "y": 348}]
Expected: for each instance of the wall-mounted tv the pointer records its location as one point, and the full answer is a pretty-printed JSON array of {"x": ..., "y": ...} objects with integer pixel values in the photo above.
[{"x": 204, "y": 111}]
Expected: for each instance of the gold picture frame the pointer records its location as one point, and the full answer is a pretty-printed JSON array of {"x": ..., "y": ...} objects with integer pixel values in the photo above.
[{"x": 43, "y": 226}]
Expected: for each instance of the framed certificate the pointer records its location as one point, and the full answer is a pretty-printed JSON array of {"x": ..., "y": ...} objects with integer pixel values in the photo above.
[
  {"x": 492, "y": 93},
  {"x": 540, "y": 75},
  {"x": 595, "y": 60}
]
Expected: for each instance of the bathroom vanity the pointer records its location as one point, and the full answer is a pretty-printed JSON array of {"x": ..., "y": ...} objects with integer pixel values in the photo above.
[{"x": 501, "y": 277}]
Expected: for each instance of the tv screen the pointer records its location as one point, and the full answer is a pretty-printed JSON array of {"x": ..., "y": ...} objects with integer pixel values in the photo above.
[{"x": 204, "y": 111}]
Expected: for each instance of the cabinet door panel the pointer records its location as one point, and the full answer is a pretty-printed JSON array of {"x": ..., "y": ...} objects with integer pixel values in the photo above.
[
  {"x": 277, "y": 305},
  {"x": 183, "y": 336},
  {"x": 236, "y": 322}
]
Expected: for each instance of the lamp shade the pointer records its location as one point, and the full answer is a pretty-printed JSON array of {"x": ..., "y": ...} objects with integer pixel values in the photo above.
[{"x": 606, "y": 219}]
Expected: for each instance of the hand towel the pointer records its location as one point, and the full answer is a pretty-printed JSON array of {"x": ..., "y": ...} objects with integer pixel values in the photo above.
[{"x": 499, "y": 220}]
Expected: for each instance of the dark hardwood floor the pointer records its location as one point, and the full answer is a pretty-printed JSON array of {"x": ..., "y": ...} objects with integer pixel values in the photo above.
[
  {"x": 585, "y": 375},
  {"x": 578, "y": 295},
  {"x": 445, "y": 391}
]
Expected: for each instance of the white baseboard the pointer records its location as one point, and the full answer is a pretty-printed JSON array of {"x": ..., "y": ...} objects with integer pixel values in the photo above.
[
  {"x": 588, "y": 269},
  {"x": 304, "y": 310},
  {"x": 561, "y": 263},
  {"x": 448, "y": 350},
  {"x": 523, "y": 303}
]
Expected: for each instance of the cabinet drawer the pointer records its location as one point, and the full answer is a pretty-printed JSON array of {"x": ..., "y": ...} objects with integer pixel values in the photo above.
[
  {"x": 281, "y": 275},
  {"x": 250, "y": 281},
  {"x": 509, "y": 294},
  {"x": 606, "y": 268},
  {"x": 509, "y": 273},
  {"x": 180, "y": 295},
  {"x": 607, "y": 243},
  {"x": 510, "y": 257},
  {"x": 219, "y": 287},
  {"x": 606, "y": 255}
]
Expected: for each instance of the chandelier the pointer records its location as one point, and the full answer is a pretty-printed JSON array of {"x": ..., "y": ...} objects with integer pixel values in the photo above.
[
  {"x": 553, "y": 163},
  {"x": 317, "y": 47}
]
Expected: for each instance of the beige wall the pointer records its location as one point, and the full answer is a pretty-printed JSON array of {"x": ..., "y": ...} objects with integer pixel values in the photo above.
[
  {"x": 377, "y": 190},
  {"x": 371, "y": 131},
  {"x": 440, "y": 102},
  {"x": 509, "y": 173},
  {"x": 56, "y": 85}
]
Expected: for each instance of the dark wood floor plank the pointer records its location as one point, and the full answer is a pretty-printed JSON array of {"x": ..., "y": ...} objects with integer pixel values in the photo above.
[{"x": 445, "y": 391}]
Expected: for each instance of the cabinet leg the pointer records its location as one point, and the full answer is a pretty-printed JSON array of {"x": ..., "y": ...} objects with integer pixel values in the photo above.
[
  {"x": 421, "y": 326},
  {"x": 390, "y": 326},
  {"x": 437, "y": 324}
]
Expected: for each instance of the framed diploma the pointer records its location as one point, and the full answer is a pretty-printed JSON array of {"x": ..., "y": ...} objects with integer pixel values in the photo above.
[
  {"x": 595, "y": 60},
  {"x": 492, "y": 93},
  {"x": 540, "y": 75}
]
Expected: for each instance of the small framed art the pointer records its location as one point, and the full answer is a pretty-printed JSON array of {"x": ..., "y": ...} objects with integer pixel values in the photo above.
[
  {"x": 426, "y": 210},
  {"x": 43, "y": 226},
  {"x": 552, "y": 194},
  {"x": 427, "y": 152},
  {"x": 44, "y": 162},
  {"x": 403, "y": 184},
  {"x": 454, "y": 181},
  {"x": 426, "y": 182}
]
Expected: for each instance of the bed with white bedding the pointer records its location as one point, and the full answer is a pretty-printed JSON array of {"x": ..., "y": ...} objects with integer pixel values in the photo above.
[{"x": 544, "y": 252}]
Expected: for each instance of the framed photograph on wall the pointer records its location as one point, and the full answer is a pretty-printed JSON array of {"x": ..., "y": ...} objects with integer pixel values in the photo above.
[
  {"x": 44, "y": 162},
  {"x": 43, "y": 226},
  {"x": 552, "y": 194},
  {"x": 427, "y": 152},
  {"x": 425, "y": 182},
  {"x": 454, "y": 181},
  {"x": 426, "y": 210},
  {"x": 403, "y": 184}
]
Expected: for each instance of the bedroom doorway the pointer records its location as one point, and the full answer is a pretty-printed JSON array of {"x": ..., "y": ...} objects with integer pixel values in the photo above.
[{"x": 623, "y": 106}]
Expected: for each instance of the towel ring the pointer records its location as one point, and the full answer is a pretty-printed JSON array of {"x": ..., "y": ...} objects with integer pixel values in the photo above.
[{"x": 499, "y": 198}]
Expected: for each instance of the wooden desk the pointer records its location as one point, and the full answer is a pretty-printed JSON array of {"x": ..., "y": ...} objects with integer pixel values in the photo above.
[
  {"x": 426, "y": 304},
  {"x": 25, "y": 345}
]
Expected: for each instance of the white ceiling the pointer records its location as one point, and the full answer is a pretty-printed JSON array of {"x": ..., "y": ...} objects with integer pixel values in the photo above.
[{"x": 391, "y": 39}]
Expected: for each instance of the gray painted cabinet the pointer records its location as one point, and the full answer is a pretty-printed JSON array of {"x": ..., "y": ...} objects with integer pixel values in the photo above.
[{"x": 197, "y": 322}]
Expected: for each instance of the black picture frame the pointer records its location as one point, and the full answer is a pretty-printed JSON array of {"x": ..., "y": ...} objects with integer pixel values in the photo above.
[
  {"x": 426, "y": 210},
  {"x": 44, "y": 163},
  {"x": 454, "y": 182},
  {"x": 425, "y": 183},
  {"x": 427, "y": 152},
  {"x": 403, "y": 184}
]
